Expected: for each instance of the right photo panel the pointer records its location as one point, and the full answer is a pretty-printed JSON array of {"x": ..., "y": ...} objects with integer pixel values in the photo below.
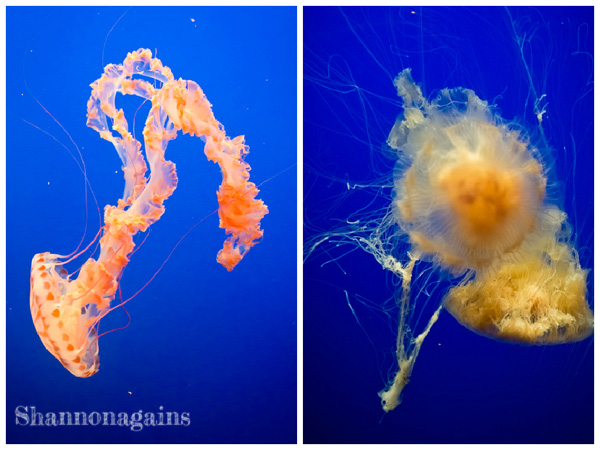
[{"x": 448, "y": 225}]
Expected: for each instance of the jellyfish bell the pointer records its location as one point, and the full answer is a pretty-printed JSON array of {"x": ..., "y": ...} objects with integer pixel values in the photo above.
[
  {"x": 65, "y": 314},
  {"x": 466, "y": 188},
  {"x": 537, "y": 295}
]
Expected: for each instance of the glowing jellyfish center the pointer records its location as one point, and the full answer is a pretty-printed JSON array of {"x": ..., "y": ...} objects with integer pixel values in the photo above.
[
  {"x": 66, "y": 311},
  {"x": 469, "y": 193}
]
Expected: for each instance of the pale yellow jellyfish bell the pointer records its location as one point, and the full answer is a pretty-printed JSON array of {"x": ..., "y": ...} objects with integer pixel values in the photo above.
[
  {"x": 536, "y": 295},
  {"x": 469, "y": 192},
  {"x": 472, "y": 189}
]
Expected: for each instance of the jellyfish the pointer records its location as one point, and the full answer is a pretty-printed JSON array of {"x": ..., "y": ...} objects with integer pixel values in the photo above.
[
  {"x": 66, "y": 308},
  {"x": 470, "y": 197}
]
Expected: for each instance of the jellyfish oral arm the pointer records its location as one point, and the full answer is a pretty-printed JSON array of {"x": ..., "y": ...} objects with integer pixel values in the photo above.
[
  {"x": 391, "y": 396},
  {"x": 406, "y": 357},
  {"x": 240, "y": 212}
]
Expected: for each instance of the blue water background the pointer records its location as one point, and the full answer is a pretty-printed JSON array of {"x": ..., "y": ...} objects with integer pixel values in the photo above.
[
  {"x": 465, "y": 388},
  {"x": 218, "y": 345}
]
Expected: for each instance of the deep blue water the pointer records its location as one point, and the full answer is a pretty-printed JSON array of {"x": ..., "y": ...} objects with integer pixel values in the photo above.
[
  {"x": 220, "y": 346},
  {"x": 465, "y": 388}
]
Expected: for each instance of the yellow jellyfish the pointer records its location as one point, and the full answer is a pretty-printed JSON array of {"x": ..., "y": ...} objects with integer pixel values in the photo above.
[{"x": 470, "y": 196}]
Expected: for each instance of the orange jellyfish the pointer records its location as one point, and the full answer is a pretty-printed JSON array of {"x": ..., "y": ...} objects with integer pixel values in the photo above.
[
  {"x": 66, "y": 309},
  {"x": 470, "y": 197}
]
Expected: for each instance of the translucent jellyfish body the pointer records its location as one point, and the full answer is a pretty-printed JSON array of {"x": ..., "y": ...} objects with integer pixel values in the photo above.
[
  {"x": 66, "y": 308},
  {"x": 536, "y": 296},
  {"x": 467, "y": 189},
  {"x": 470, "y": 195}
]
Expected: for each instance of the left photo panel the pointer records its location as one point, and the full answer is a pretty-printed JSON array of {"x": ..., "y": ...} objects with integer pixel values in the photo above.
[{"x": 151, "y": 225}]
